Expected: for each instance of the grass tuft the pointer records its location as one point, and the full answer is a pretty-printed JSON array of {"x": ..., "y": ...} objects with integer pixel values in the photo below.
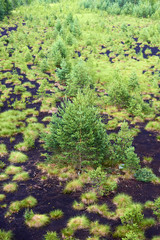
[{"x": 17, "y": 157}]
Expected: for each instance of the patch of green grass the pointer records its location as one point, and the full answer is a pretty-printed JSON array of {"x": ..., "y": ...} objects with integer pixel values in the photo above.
[
  {"x": 11, "y": 123},
  {"x": 153, "y": 126},
  {"x": 37, "y": 221},
  {"x": 3, "y": 176},
  {"x": 102, "y": 210},
  {"x": 147, "y": 159},
  {"x": 78, "y": 205},
  {"x": 4, "y": 235},
  {"x": 156, "y": 238},
  {"x": 56, "y": 214},
  {"x": 98, "y": 229},
  {"x": 2, "y": 197},
  {"x": 51, "y": 236},
  {"x": 11, "y": 170},
  {"x": 122, "y": 200},
  {"x": 2, "y": 164},
  {"x": 22, "y": 176},
  {"x": 73, "y": 186},
  {"x": 16, "y": 206},
  {"x": 89, "y": 197},
  {"x": 10, "y": 187},
  {"x": 17, "y": 157},
  {"x": 78, "y": 222},
  {"x": 3, "y": 150}
]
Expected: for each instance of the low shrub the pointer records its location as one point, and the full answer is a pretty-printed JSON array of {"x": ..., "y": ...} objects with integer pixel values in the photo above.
[
  {"x": 132, "y": 215},
  {"x": 145, "y": 175}
]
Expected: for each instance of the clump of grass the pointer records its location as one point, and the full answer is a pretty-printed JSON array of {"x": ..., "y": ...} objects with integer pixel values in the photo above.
[
  {"x": 120, "y": 232},
  {"x": 17, "y": 157},
  {"x": 84, "y": 178},
  {"x": 158, "y": 138},
  {"x": 73, "y": 186},
  {"x": 156, "y": 238},
  {"x": 29, "y": 202},
  {"x": 153, "y": 126},
  {"x": 10, "y": 187},
  {"x": 149, "y": 204},
  {"x": 16, "y": 206},
  {"x": 99, "y": 230},
  {"x": 100, "y": 209},
  {"x": 78, "y": 205},
  {"x": 2, "y": 197},
  {"x": 56, "y": 214},
  {"x": 51, "y": 236},
  {"x": 2, "y": 164},
  {"x": 11, "y": 170},
  {"x": 93, "y": 238},
  {"x": 6, "y": 235},
  {"x": 89, "y": 197},
  {"x": 122, "y": 200},
  {"x": 22, "y": 176},
  {"x": 147, "y": 222},
  {"x": 79, "y": 222},
  {"x": 3, "y": 150},
  {"x": 37, "y": 220},
  {"x": 67, "y": 233},
  {"x": 147, "y": 159},
  {"x": 3, "y": 176}
]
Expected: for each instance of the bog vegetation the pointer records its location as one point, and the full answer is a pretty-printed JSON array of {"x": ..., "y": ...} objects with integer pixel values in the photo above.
[{"x": 79, "y": 115}]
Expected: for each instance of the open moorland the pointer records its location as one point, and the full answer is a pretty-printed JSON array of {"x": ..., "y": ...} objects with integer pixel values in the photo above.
[{"x": 65, "y": 66}]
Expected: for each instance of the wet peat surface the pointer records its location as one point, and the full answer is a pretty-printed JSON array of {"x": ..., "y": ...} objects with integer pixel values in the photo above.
[{"x": 49, "y": 193}]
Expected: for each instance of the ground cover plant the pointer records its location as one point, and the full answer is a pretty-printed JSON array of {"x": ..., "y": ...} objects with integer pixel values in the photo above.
[{"x": 79, "y": 120}]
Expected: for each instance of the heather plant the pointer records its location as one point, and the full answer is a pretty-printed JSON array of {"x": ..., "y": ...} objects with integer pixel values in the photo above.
[
  {"x": 132, "y": 216},
  {"x": 145, "y": 175}
]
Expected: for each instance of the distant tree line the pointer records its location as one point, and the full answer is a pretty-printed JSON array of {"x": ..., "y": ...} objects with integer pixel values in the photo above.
[
  {"x": 7, "y": 5},
  {"x": 138, "y": 8}
]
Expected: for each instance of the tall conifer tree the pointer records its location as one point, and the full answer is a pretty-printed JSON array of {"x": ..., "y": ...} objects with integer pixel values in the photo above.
[{"x": 77, "y": 133}]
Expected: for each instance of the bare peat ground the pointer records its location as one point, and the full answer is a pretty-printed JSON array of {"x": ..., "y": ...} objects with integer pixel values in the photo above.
[{"x": 49, "y": 193}]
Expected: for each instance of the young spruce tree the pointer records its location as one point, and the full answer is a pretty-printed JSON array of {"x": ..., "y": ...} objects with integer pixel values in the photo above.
[{"x": 77, "y": 135}]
